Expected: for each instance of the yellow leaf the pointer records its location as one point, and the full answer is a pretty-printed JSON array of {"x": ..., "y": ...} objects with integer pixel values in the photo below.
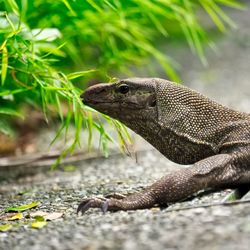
[
  {"x": 38, "y": 224},
  {"x": 17, "y": 216},
  {"x": 5, "y": 227}
]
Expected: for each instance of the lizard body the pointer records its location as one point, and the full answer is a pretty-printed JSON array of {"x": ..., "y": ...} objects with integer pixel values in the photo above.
[{"x": 186, "y": 127}]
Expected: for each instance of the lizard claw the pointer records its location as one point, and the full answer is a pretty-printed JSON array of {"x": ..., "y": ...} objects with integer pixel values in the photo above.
[
  {"x": 85, "y": 205},
  {"x": 105, "y": 206}
]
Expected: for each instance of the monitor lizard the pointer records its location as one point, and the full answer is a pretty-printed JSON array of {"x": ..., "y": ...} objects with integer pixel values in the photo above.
[{"x": 186, "y": 127}]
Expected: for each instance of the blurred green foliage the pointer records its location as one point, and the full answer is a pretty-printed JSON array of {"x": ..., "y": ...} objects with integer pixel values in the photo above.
[{"x": 42, "y": 42}]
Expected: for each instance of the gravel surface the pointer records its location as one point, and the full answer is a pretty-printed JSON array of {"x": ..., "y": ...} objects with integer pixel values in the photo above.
[
  {"x": 220, "y": 227},
  {"x": 146, "y": 229}
]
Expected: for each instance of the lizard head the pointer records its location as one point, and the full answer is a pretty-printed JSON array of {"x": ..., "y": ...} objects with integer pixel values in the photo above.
[{"x": 125, "y": 100}]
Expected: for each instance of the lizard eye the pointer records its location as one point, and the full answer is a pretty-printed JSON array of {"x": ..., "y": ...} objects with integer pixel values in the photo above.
[{"x": 123, "y": 88}]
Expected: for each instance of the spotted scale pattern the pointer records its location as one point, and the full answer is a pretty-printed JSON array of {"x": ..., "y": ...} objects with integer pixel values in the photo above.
[{"x": 187, "y": 127}]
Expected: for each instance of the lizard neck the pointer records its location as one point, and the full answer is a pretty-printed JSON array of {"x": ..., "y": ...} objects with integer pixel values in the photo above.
[
  {"x": 178, "y": 148},
  {"x": 192, "y": 115}
]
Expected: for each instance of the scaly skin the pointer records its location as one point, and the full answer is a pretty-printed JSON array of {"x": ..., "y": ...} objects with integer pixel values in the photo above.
[{"x": 185, "y": 126}]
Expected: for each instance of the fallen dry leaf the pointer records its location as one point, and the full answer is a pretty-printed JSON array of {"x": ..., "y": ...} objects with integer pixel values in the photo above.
[
  {"x": 53, "y": 216},
  {"x": 38, "y": 213},
  {"x": 45, "y": 215},
  {"x": 11, "y": 216},
  {"x": 17, "y": 216}
]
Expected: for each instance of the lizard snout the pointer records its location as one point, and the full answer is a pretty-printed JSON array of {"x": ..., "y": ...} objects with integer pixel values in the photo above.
[{"x": 94, "y": 93}]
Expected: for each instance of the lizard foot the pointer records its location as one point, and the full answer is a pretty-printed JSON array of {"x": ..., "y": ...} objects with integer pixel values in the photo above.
[{"x": 86, "y": 204}]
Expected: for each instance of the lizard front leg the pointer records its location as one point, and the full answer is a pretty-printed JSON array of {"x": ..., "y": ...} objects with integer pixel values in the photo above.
[{"x": 211, "y": 172}]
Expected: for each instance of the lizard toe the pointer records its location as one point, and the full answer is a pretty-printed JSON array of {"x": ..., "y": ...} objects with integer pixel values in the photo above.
[{"x": 93, "y": 203}]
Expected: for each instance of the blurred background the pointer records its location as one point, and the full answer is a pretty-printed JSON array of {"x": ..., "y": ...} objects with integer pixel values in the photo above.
[{"x": 52, "y": 51}]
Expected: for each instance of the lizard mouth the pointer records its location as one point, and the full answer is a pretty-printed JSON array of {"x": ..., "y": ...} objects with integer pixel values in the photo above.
[
  {"x": 97, "y": 102},
  {"x": 94, "y": 103},
  {"x": 86, "y": 100},
  {"x": 113, "y": 104}
]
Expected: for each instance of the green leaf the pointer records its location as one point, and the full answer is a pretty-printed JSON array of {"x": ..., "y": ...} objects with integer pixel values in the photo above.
[
  {"x": 9, "y": 93},
  {"x": 14, "y": 6},
  {"x": 90, "y": 126},
  {"x": 9, "y": 111},
  {"x": 5, "y": 128},
  {"x": 216, "y": 19},
  {"x": 69, "y": 168},
  {"x": 59, "y": 107},
  {"x": 95, "y": 6},
  {"x": 75, "y": 75},
  {"x": 23, "y": 207},
  {"x": 10, "y": 22},
  {"x": 53, "y": 49},
  {"x": 73, "y": 13},
  {"x": 4, "y": 64},
  {"x": 232, "y": 3},
  {"x": 39, "y": 218}
]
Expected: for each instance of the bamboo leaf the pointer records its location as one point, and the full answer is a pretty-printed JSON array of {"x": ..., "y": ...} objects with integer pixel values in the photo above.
[
  {"x": 11, "y": 112},
  {"x": 4, "y": 64},
  {"x": 90, "y": 126},
  {"x": 14, "y": 6},
  {"x": 73, "y": 13},
  {"x": 232, "y": 3},
  {"x": 75, "y": 75},
  {"x": 214, "y": 16},
  {"x": 6, "y": 129},
  {"x": 23, "y": 207}
]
